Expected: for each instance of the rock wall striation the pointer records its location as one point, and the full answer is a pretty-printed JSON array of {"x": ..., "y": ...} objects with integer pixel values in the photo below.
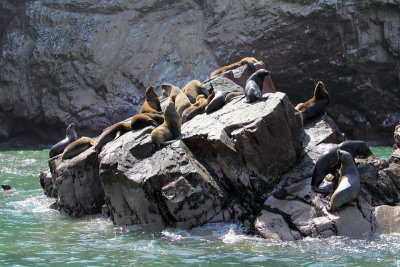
[{"x": 88, "y": 62}]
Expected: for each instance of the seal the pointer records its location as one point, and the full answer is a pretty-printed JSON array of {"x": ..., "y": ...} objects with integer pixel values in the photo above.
[
  {"x": 6, "y": 187},
  {"x": 349, "y": 182},
  {"x": 329, "y": 162},
  {"x": 70, "y": 136},
  {"x": 112, "y": 133},
  {"x": 254, "y": 86},
  {"x": 151, "y": 103},
  {"x": 316, "y": 105},
  {"x": 217, "y": 100},
  {"x": 140, "y": 121},
  {"x": 195, "y": 109},
  {"x": 77, "y": 147},
  {"x": 247, "y": 60},
  {"x": 193, "y": 89},
  {"x": 181, "y": 101},
  {"x": 170, "y": 129}
]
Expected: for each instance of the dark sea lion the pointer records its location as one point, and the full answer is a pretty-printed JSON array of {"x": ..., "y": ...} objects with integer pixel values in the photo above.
[
  {"x": 193, "y": 89},
  {"x": 70, "y": 136},
  {"x": 254, "y": 86},
  {"x": 170, "y": 129},
  {"x": 316, "y": 105},
  {"x": 113, "y": 132},
  {"x": 151, "y": 103},
  {"x": 329, "y": 162},
  {"x": 199, "y": 107},
  {"x": 217, "y": 100},
  {"x": 77, "y": 147},
  {"x": 247, "y": 60},
  {"x": 181, "y": 101},
  {"x": 6, "y": 187},
  {"x": 349, "y": 182},
  {"x": 140, "y": 121}
]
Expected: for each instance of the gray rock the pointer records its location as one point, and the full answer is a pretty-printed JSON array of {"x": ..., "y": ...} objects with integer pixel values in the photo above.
[
  {"x": 386, "y": 219},
  {"x": 46, "y": 181},
  {"x": 89, "y": 62},
  {"x": 78, "y": 184}
]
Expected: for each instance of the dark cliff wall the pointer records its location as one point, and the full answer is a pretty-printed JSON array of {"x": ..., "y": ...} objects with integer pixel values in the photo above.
[{"x": 88, "y": 61}]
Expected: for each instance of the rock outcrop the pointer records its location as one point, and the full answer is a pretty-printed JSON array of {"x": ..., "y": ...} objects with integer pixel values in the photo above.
[
  {"x": 89, "y": 62},
  {"x": 219, "y": 171},
  {"x": 79, "y": 191},
  {"x": 294, "y": 211}
]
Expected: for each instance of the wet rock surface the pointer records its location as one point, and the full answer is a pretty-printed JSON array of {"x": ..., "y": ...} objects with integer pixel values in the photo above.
[{"x": 89, "y": 62}]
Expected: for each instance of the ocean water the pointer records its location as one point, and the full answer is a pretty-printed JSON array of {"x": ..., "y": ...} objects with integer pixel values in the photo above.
[{"x": 33, "y": 235}]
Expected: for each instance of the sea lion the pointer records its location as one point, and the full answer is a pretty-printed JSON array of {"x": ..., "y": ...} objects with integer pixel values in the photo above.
[
  {"x": 151, "y": 103},
  {"x": 316, "y": 105},
  {"x": 113, "y": 132},
  {"x": 329, "y": 162},
  {"x": 181, "y": 101},
  {"x": 6, "y": 187},
  {"x": 218, "y": 99},
  {"x": 254, "y": 86},
  {"x": 247, "y": 60},
  {"x": 140, "y": 121},
  {"x": 70, "y": 136},
  {"x": 193, "y": 89},
  {"x": 170, "y": 129},
  {"x": 195, "y": 109},
  {"x": 77, "y": 147},
  {"x": 349, "y": 182}
]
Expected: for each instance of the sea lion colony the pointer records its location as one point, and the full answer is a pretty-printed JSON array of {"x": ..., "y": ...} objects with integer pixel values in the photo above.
[{"x": 179, "y": 106}]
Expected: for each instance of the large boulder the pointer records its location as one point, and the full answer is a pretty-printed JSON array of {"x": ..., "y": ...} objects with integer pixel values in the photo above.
[
  {"x": 78, "y": 184},
  {"x": 219, "y": 171}
]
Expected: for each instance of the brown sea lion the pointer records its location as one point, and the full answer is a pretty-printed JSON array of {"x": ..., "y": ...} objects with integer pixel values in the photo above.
[
  {"x": 316, "y": 105},
  {"x": 181, "y": 101},
  {"x": 254, "y": 86},
  {"x": 77, "y": 147},
  {"x": 349, "y": 182},
  {"x": 140, "y": 121},
  {"x": 70, "y": 136},
  {"x": 170, "y": 129},
  {"x": 193, "y": 89},
  {"x": 247, "y": 60},
  {"x": 199, "y": 107},
  {"x": 151, "y": 103},
  {"x": 329, "y": 162},
  {"x": 113, "y": 132}
]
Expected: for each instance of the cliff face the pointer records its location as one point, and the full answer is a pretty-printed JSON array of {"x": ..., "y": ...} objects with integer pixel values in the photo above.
[{"x": 89, "y": 61}]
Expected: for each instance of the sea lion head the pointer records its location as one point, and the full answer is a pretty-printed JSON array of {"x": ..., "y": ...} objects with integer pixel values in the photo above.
[
  {"x": 320, "y": 91},
  {"x": 263, "y": 72},
  {"x": 6, "y": 187},
  {"x": 166, "y": 87},
  {"x": 70, "y": 132},
  {"x": 199, "y": 97},
  {"x": 150, "y": 93},
  {"x": 344, "y": 156}
]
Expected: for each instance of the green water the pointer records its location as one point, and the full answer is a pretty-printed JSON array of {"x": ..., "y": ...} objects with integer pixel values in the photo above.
[{"x": 33, "y": 235}]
